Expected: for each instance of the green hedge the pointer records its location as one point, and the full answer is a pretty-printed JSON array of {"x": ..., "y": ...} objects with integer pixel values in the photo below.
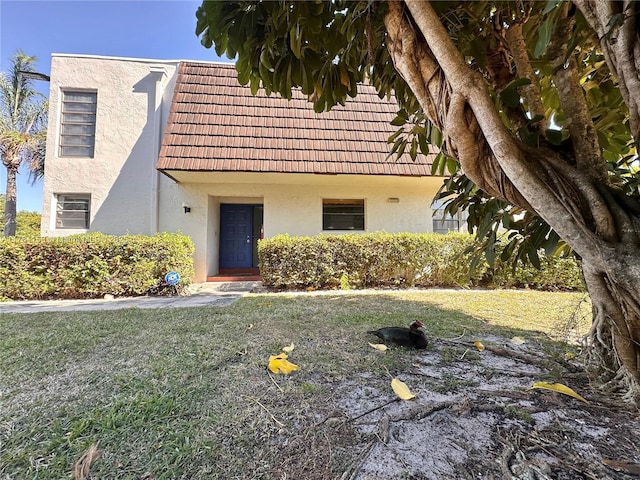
[
  {"x": 92, "y": 265},
  {"x": 403, "y": 260}
]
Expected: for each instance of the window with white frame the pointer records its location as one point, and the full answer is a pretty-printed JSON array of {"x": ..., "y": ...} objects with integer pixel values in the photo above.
[
  {"x": 72, "y": 211},
  {"x": 339, "y": 214},
  {"x": 78, "y": 124},
  {"x": 443, "y": 222}
]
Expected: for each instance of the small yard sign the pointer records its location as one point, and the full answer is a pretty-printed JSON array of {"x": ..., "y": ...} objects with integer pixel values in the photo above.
[{"x": 172, "y": 278}]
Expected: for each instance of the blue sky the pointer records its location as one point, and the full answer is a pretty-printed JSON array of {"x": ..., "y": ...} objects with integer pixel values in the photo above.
[{"x": 162, "y": 29}]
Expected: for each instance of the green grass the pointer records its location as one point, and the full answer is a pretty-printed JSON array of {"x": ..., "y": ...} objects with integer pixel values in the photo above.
[{"x": 184, "y": 393}]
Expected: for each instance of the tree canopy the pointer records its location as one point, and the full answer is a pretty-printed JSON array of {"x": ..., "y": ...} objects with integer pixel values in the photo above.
[
  {"x": 23, "y": 129},
  {"x": 533, "y": 108}
]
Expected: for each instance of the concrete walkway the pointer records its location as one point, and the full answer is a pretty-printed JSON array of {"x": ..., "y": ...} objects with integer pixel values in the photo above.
[{"x": 203, "y": 295}]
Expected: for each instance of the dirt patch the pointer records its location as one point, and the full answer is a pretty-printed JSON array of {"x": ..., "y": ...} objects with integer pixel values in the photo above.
[{"x": 476, "y": 417}]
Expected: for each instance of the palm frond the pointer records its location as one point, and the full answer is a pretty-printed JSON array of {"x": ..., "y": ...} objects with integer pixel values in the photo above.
[{"x": 23, "y": 117}]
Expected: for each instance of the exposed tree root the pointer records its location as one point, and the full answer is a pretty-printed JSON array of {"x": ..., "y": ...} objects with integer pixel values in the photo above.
[
  {"x": 540, "y": 361},
  {"x": 352, "y": 473},
  {"x": 555, "y": 443}
]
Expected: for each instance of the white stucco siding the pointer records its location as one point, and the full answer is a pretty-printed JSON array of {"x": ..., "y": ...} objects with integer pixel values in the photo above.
[
  {"x": 120, "y": 177},
  {"x": 298, "y": 210},
  {"x": 292, "y": 204},
  {"x": 128, "y": 195}
]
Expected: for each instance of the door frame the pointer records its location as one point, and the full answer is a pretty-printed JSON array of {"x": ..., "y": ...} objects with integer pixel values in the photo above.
[{"x": 253, "y": 269}]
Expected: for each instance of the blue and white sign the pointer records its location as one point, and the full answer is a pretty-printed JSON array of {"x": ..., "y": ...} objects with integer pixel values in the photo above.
[{"x": 172, "y": 278}]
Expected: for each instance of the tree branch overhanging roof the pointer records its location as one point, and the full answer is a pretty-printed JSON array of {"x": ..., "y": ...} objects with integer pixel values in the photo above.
[{"x": 217, "y": 125}]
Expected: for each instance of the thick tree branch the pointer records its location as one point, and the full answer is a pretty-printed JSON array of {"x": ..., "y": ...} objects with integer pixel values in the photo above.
[
  {"x": 414, "y": 62},
  {"x": 518, "y": 49},
  {"x": 574, "y": 105},
  {"x": 476, "y": 157},
  {"x": 526, "y": 178},
  {"x": 467, "y": 147},
  {"x": 509, "y": 154},
  {"x": 465, "y": 138},
  {"x": 621, "y": 47}
]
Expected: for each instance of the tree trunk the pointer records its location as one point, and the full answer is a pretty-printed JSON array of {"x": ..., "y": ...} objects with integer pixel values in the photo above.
[
  {"x": 615, "y": 332},
  {"x": 602, "y": 226},
  {"x": 10, "y": 204}
]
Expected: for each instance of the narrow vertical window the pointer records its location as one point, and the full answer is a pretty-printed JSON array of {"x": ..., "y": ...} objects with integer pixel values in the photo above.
[
  {"x": 340, "y": 214},
  {"x": 78, "y": 124},
  {"x": 72, "y": 211}
]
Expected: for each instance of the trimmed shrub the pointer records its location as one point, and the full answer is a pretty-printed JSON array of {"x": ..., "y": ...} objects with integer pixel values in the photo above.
[
  {"x": 556, "y": 273},
  {"x": 92, "y": 265},
  {"x": 402, "y": 260}
]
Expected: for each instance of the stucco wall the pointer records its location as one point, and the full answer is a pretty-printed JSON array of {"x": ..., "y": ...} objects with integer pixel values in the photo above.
[
  {"x": 128, "y": 195},
  {"x": 129, "y": 122},
  {"x": 292, "y": 204}
]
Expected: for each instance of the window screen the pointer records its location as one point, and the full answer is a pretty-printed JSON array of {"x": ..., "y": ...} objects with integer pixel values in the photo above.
[
  {"x": 78, "y": 124},
  {"x": 72, "y": 211},
  {"x": 342, "y": 214}
]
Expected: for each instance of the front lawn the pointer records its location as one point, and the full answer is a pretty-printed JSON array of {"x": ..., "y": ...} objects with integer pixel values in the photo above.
[{"x": 185, "y": 393}]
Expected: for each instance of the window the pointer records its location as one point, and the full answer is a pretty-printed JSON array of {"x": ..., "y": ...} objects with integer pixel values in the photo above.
[
  {"x": 72, "y": 211},
  {"x": 78, "y": 124},
  {"x": 444, "y": 223},
  {"x": 342, "y": 214}
]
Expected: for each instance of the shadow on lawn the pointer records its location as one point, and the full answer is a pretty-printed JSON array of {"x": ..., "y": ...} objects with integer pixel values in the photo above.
[{"x": 185, "y": 393}]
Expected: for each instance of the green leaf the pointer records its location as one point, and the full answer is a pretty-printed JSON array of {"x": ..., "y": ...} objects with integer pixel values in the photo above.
[
  {"x": 533, "y": 257},
  {"x": 295, "y": 41},
  {"x": 436, "y": 137},
  {"x": 413, "y": 151},
  {"x": 400, "y": 119},
  {"x": 510, "y": 97},
  {"x": 551, "y": 4},
  {"x": 554, "y": 136},
  {"x": 552, "y": 243},
  {"x": 255, "y": 85},
  {"x": 394, "y": 136},
  {"x": 518, "y": 82},
  {"x": 490, "y": 252},
  {"x": 439, "y": 164},
  {"x": 424, "y": 145},
  {"x": 452, "y": 165},
  {"x": 544, "y": 36}
]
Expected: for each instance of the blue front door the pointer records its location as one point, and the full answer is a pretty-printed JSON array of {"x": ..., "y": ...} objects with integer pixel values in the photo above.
[{"x": 236, "y": 227}]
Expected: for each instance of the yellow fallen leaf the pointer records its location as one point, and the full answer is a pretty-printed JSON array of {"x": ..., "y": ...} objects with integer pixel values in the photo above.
[
  {"x": 401, "y": 390},
  {"x": 560, "y": 388},
  {"x": 517, "y": 340},
  {"x": 478, "y": 345},
  {"x": 569, "y": 355},
  {"x": 379, "y": 346},
  {"x": 310, "y": 289},
  {"x": 289, "y": 349},
  {"x": 280, "y": 364}
]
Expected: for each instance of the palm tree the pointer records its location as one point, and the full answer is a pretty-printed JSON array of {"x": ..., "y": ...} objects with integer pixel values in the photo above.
[{"x": 23, "y": 129}]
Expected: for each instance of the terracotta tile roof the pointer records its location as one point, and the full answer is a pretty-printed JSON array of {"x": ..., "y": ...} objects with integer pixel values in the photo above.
[{"x": 215, "y": 124}]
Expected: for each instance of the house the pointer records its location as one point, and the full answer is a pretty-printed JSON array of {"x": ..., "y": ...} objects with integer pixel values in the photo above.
[{"x": 143, "y": 146}]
